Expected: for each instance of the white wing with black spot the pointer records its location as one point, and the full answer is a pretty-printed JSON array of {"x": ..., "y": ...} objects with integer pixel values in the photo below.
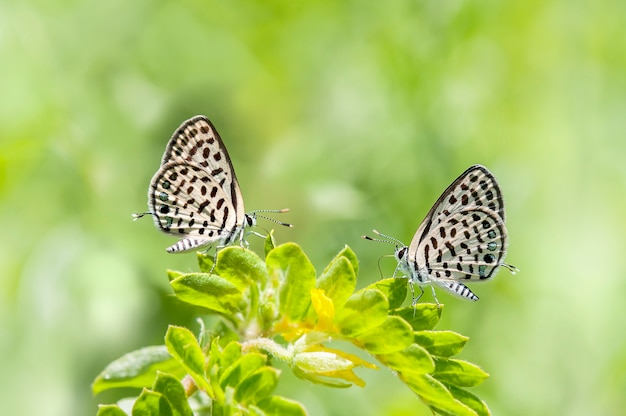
[
  {"x": 463, "y": 237},
  {"x": 467, "y": 245},
  {"x": 186, "y": 201},
  {"x": 196, "y": 142}
]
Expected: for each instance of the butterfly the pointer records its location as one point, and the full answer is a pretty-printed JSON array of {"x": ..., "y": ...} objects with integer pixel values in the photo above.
[
  {"x": 462, "y": 238},
  {"x": 195, "y": 194}
]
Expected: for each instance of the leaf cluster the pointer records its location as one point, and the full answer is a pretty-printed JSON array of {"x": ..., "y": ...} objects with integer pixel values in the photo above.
[{"x": 280, "y": 309}]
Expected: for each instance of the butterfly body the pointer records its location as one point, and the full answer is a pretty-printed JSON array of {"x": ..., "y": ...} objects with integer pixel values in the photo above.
[
  {"x": 195, "y": 194},
  {"x": 462, "y": 238}
]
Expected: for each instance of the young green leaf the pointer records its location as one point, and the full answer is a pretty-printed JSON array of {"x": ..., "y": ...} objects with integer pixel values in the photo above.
[
  {"x": 394, "y": 334},
  {"x": 214, "y": 366},
  {"x": 269, "y": 243},
  {"x": 241, "y": 267},
  {"x": 293, "y": 271},
  {"x": 136, "y": 369},
  {"x": 110, "y": 410},
  {"x": 393, "y": 288},
  {"x": 469, "y": 400},
  {"x": 320, "y": 379},
  {"x": 422, "y": 316},
  {"x": 242, "y": 368},
  {"x": 435, "y": 394},
  {"x": 338, "y": 281},
  {"x": 441, "y": 343},
  {"x": 209, "y": 291},
  {"x": 174, "y": 392},
  {"x": 280, "y": 406},
  {"x": 229, "y": 355},
  {"x": 150, "y": 403},
  {"x": 205, "y": 262},
  {"x": 173, "y": 274},
  {"x": 363, "y": 311},
  {"x": 257, "y": 386},
  {"x": 458, "y": 372},
  {"x": 183, "y": 346},
  {"x": 349, "y": 255},
  {"x": 411, "y": 359}
]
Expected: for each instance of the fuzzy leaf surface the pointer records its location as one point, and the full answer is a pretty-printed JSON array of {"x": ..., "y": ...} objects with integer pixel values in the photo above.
[
  {"x": 136, "y": 369},
  {"x": 174, "y": 392},
  {"x": 292, "y": 270},
  {"x": 364, "y": 310},
  {"x": 208, "y": 291},
  {"x": 441, "y": 343},
  {"x": 338, "y": 281},
  {"x": 183, "y": 346},
  {"x": 458, "y": 372}
]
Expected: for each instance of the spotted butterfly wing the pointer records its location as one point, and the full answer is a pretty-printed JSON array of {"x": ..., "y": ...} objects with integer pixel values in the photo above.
[
  {"x": 195, "y": 193},
  {"x": 186, "y": 201},
  {"x": 196, "y": 142},
  {"x": 463, "y": 236},
  {"x": 474, "y": 187}
]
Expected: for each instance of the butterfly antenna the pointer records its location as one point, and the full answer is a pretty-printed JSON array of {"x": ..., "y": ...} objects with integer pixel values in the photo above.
[
  {"x": 139, "y": 215},
  {"x": 511, "y": 268},
  {"x": 386, "y": 239},
  {"x": 273, "y": 211}
]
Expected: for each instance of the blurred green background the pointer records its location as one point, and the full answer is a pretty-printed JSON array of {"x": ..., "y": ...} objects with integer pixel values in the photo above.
[{"x": 356, "y": 115}]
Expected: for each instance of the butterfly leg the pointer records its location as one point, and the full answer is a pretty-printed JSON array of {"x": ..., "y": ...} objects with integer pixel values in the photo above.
[
  {"x": 434, "y": 295},
  {"x": 415, "y": 299},
  {"x": 217, "y": 248},
  {"x": 256, "y": 233},
  {"x": 395, "y": 272}
]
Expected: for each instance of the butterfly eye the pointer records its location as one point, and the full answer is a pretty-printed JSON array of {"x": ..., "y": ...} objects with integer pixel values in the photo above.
[
  {"x": 250, "y": 220},
  {"x": 401, "y": 253}
]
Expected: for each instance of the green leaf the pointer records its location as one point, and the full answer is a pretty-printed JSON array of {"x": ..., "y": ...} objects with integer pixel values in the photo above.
[
  {"x": 279, "y": 406},
  {"x": 183, "y": 346},
  {"x": 230, "y": 354},
  {"x": 363, "y": 311},
  {"x": 205, "y": 262},
  {"x": 174, "y": 392},
  {"x": 338, "y": 281},
  {"x": 394, "y": 288},
  {"x": 241, "y": 267},
  {"x": 173, "y": 274},
  {"x": 136, "y": 369},
  {"x": 150, "y": 403},
  {"x": 320, "y": 379},
  {"x": 458, "y": 372},
  {"x": 350, "y": 256},
  {"x": 270, "y": 243},
  {"x": 110, "y": 410},
  {"x": 422, "y": 316},
  {"x": 411, "y": 359},
  {"x": 470, "y": 401},
  {"x": 209, "y": 291},
  {"x": 242, "y": 368},
  {"x": 213, "y": 368},
  {"x": 257, "y": 386},
  {"x": 293, "y": 271},
  {"x": 227, "y": 332},
  {"x": 435, "y": 394},
  {"x": 441, "y": 343},
  {"x": 394, "y": 334}
]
